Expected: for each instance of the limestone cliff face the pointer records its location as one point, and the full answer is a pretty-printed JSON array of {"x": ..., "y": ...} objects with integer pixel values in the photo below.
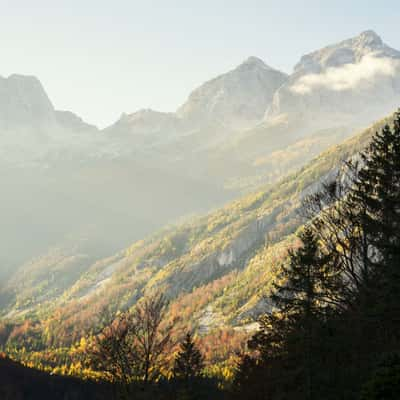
[
  {"x": 72, "y": 122},
  {"x": 145, "y": 129},
  {"x": 346, "y": 85},
  {"x": 24, "y": 104},
  {"x": 233, "y": 101},
  {"x": 31, "y": 129},
  {"x": 354, "y": 82},
  {"x": 23, "y": 101},
  {"x": 237, "y": 99}
]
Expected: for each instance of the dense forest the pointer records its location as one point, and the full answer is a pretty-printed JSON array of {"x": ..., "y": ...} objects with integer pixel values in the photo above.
[
  {"x": 332, "y": 331},
  {"x": 335, "y": 330}
]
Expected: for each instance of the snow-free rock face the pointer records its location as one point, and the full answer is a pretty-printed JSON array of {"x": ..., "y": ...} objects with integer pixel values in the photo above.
[
  {"x": 237, "y": 99},
  {"x": 23, "y": 101},
  {"x": 232, "y": 101},
  {"x": 32, "y": 130},
  {"x": 349, "y": 51},
  {"x": 146, "y": 127},
  {"x": 24, "y": 104},
  {"x": 354, "y": 82},
  {"x": 345, "y": 85},
  {"x": 72, "y": 122}
]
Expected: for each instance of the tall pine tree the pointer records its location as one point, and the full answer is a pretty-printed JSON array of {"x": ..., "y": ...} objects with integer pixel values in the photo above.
[
  {"x": 189, "y": 361},
  {"x": 375, "y": 201},
  {"x": 338, "y": 300},
  {"x": 304, "y": 295}
]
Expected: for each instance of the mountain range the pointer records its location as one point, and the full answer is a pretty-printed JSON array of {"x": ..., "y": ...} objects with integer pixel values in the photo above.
[
  {"x": 217, "y": 270},
  {"x": 75, "y": 198}
]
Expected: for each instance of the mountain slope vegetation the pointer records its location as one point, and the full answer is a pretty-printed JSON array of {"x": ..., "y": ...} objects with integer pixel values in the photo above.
[
  {"x": 65, "y": 181},
  {"x": 215, "y": 269}
]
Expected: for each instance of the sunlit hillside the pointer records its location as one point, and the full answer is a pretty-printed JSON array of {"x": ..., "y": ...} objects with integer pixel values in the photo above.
[{"x": 215, "y": 269}]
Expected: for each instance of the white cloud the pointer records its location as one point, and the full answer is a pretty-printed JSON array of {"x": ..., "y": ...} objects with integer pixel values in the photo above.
[{"x": 348, "y": 76}]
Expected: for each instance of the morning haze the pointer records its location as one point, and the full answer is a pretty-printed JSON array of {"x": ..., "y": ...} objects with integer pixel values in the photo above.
[{"x": 199, "y": 201}]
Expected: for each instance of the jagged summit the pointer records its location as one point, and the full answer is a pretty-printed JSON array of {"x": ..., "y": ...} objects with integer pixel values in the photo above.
[
  {"x": 23, "y": 101},
  {"x": 367, "y": 41},
  {"x": 146, "y": 122},
  {"x": 32, "y": 130},
  {"x": 236, "y": 99},
  {"x": 370, "y": 37},
  {"x": 254, "y": 62},
  {"x": 143, "y": 113},
  {"x": 354, "y": 81},
  {"x": 345, "y": 52},
  {"x": 72, "y": 122},
  {"x": 23, "y": 79},
  {"x": 357, "y": 78},
  {"x": 25, "y": 104}
]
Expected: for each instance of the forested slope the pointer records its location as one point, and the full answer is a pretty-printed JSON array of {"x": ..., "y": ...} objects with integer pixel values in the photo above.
[{"x": 229, "y": 256}]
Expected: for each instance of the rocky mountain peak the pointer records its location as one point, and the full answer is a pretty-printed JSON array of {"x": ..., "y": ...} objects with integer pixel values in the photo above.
[
  {"x": 236, "y": 99},
  {"x": 23, "y": 100},
  {"x": 369, "y": 38},
  {"x": 346, "y": 52},
  {"x": 143, "y": 114},
  {"x": 72, "y": 122},
  {"x": 148, "y": 123},
  {"x": 355, "y": 81},
  {"x": 254, "y": 62}
]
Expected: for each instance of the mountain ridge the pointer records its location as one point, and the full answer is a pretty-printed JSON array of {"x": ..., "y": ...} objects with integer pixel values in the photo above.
[{"x": 116, "y": 185}]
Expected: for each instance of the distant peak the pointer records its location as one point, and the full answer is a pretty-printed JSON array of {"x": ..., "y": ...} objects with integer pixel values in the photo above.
[
  {"x": 145, "y": 114},
  {"x": 369, "y": 33},
  {"x": 22, "y": 79},
  {"x": 370, "y": 37},
  {"x": 348, "y": 51},
  {"x": 21, "y": 76},
  {"x": 255, "y": 61},
  {"x": 138, "y": 114},
  {"x": 145, "y": 111}
]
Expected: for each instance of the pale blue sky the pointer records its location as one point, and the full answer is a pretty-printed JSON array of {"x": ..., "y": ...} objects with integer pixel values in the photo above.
[{"x": 101, "y": 58}]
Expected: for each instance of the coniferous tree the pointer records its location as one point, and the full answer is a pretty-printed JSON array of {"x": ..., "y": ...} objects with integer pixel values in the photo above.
[
  {"x": 385, "y": 382},
  {"x": 307, "y": 280},
  {"x": 366, "y": 224},
  {"x": 271, "y": 371},
  {"x": 377, "y": 195},
  {"x": 189, "y": 361},
  {"x": 358, "y": 221},
  {"x": 287, "y": 337},
  {"x": 303, "y": 298},
  {"x": 339, "y": 303}
]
